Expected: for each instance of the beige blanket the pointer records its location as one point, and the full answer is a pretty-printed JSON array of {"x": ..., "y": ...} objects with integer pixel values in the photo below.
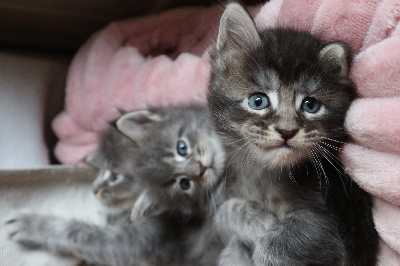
[{"x": 56, "y": 190}]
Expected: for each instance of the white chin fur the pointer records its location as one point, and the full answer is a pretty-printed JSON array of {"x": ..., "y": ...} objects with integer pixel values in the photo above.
[{"x": 278, "y": 157}]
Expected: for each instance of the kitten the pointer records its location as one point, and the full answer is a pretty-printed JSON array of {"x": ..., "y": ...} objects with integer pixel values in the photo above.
[
  {"x": 115, "y": 185},
  {"x": 278, "y": 99},
  {"x": 180, "y": 168},
  {"x": 119, "y": 242},
  {"x": 174, "y": 164},
  {"x": 190, "y": 160}
]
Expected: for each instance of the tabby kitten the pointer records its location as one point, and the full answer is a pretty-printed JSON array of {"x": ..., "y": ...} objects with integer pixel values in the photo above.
[
  {"x": 119, "y": 242},
  {"x": 180, "y": 169},
  {"x": 278, "y": 99},
  {"x": 175, "y": 163},
  {"x": 115, "y": 185},
  {"x": 190, "y": 160}
]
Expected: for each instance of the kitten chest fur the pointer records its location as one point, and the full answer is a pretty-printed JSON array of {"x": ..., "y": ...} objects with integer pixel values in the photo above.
[{"x": 271, "y": 190}]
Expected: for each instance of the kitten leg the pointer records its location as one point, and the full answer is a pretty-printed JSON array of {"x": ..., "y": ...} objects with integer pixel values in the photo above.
[
  {"x": 305, "y": 238},
  {"x": 244, "y": 219},
  {"x": 32, "y": 230},
  {"x": 130, "y": 244},
  {"x": 235, "y": 253}
]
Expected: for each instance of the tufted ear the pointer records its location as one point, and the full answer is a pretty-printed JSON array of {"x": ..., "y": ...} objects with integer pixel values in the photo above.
[
  {"x": 333, "y": 58},
  {"x": 236, "y": 29},
  {"x": 137, "y": 124}
]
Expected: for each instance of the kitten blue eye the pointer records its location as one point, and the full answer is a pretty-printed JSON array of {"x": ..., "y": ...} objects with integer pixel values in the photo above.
[
  {"x": 259, "y": 101},
  {"x": 310, "y": 105},
  {"x": 181, "y": 147},
  {"x": 185, "y": 183},
  {"x": 115, "y": 177}
]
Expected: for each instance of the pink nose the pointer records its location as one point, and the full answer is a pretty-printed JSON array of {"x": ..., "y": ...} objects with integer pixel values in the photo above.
[
  {"x": 198, "y": 169},
  {"x": 287, "y": 134}
]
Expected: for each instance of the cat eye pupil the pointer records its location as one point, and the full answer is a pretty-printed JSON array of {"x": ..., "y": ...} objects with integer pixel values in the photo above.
[
  {"x": 311, "y": 105},
  {"x": 184, "y": 183},
  {"x": 181, "y": 148},
  {"x": 258, "y": 101}
]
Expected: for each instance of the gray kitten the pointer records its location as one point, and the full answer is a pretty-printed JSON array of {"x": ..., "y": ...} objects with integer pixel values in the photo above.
[
  {"x": 191, "y": 160},
  {"x": 179, "y": 170},
  {"x": 119, "y": 242},
  {"x": 278, "y": 99},
  {"x": 174, "y": 163},
  {"x": 115, "y": 185}
]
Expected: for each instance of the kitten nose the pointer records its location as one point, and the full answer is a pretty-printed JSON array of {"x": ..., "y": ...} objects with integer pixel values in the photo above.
[
  {"x": 199, "y": 169},
  {"x": 202, "y": 169},
  {"x": 287, "y": 134}
]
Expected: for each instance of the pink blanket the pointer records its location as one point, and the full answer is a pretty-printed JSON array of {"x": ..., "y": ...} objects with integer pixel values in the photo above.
[{"x": 163, "y": 59}]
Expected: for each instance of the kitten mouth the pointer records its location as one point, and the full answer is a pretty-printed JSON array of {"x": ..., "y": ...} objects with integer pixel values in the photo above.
[
  {"x": 284, "y": 150},
  {"x": 284, "y": 146},
  {"x": 210, "y": 166}
]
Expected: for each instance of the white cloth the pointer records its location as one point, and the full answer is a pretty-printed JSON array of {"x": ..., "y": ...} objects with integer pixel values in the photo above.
[
  {"x": 25, "y": 81},
  {"x": 57, "y": 190}
]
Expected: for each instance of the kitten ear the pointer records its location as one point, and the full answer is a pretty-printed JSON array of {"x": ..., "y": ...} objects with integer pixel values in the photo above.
[
  {"x": 333, "y": 58},
  {"x": 236, "y": 29},
  {"x": 135, "y": 125},
  {"x": 93, "y": 159},
  {"x": 144, "y": 207}
]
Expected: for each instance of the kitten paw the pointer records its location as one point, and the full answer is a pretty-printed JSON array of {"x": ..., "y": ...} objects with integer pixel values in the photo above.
[
  {"x": 23, "y": 228},
  {"x": 244, "y": 219},
  {"x": 279, "y": 249}
]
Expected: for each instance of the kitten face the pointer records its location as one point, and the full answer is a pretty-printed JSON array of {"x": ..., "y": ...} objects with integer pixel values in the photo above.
[
  {"x": 180, "y": 157},
  {"x": 281, "y": 93},
  {"x": 115, "y": 187}
]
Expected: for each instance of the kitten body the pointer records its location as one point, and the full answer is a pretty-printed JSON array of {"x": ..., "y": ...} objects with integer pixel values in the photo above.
[
  {"x": 191, "y": 160},
  {"x": 119, "y": 242},
  {"x": 278, "y": 99},
  {"x": 115, "y": 186},
  {"x": 171, "y": 214}
]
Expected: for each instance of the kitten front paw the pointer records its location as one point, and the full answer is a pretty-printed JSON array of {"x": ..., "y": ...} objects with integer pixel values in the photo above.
[
  {"x": 244, "y": 219},
  {"x": 280, "y": 250},
  {"x": 24, "y": 228}
]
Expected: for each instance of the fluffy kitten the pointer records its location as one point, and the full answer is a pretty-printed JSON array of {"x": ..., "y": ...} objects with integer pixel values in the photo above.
[
  {"x": 115, "y": 185},
  {"x": 278, "y": 99},
  {"x": 180, "y": 168},
  {"x": 118, "y": 243},
  {"x": 175, "y": 163},
  {"x": 190, "y": 161}
]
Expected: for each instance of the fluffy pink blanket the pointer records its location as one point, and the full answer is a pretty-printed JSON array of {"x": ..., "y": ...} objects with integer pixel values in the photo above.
[{"x": 163, "y": 59}]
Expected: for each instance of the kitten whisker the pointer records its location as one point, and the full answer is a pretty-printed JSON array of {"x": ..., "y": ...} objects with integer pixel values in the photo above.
[
  {"x": 243, "y": 159},
  {"x": 233, "y": 142},
  {"x": 341, "y": 174},
  {"x": 319, "y": 166},
  {"x": 309, "y": 154},
  {"x": 291, "y": 177},
  {"x": 323, "y": 150},
  {"x": 235, "y": 152},
  {"x": 262, "y": 168},
  {"x": 251, "y": 156},
  {"x": 331, "y": 146},
  {"x": 334, "y": 140},
  {"x": 336, "y": 159}
]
